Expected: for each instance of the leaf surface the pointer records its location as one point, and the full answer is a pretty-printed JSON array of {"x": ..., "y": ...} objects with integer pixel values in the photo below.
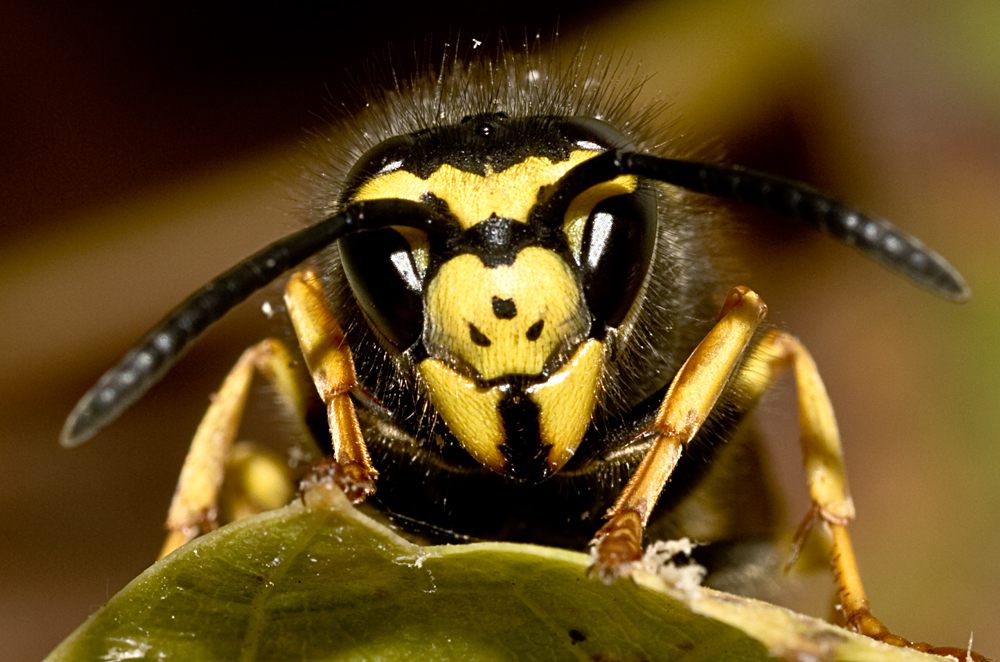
[{"x": 317, "y": 580}]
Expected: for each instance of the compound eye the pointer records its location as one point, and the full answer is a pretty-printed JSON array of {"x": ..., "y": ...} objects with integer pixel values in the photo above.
[
  {"x": 387, "y": 283},
  {"x": 615, "y": 253}
]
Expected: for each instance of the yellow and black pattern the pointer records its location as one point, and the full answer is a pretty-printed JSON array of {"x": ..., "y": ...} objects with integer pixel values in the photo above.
[
  {"x": 507, "y": 353},
  {"x": 521, "y": 325},
  {"x": 516, "y": 331}
]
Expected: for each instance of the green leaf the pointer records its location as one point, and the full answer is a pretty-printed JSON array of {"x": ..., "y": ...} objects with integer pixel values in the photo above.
[{"x": 317, "y": 580}]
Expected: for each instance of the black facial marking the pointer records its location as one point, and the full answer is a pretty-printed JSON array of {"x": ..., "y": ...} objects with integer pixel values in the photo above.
[
  {"x": 500, "y": 143},
  {"x": 434, "y": 202},
  {"x": 504, "y": 309},
  {"x": 535, "y": 330},
  {"x": 524, "y": 451},
  {"x": 478, "y": 337},
  {"x": 497, "y": 241}
]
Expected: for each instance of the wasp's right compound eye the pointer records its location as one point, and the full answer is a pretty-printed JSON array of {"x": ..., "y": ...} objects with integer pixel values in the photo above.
[{"x": 387, "y": 283}]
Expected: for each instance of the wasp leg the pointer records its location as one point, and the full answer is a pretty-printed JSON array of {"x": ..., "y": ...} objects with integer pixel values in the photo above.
[
  {"x": 328, "y": 358},
  {"x": 194, "y": 508},
  {"x": 687, "y": 403},
  {"x": 823, "y": 459}
]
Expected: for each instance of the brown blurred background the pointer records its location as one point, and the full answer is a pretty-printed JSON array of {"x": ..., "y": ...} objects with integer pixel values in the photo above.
[{"x": 142, "y": 151}]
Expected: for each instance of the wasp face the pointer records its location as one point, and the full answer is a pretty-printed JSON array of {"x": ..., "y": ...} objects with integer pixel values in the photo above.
[{"x": 504, "y": 311}]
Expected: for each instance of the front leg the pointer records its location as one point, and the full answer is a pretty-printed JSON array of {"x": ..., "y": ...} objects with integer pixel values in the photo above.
[
  {"x": 687, "y": 403},
  {"x": 194, "y": 508},
  {"x": 329, "y": 360}
]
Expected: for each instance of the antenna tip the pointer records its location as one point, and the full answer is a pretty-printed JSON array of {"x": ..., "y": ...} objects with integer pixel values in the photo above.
[
  {"x": 79, "y": 425},
  {"x": 959, "y": 292}
]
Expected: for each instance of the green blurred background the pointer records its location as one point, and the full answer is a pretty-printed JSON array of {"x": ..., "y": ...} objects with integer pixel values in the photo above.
[{"x": 144, "y": 150}]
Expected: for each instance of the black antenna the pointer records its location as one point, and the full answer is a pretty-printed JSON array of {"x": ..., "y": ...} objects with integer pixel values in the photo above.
[
  {"x": 875, "y": 237},
  {"x": 159, "y": 349}
]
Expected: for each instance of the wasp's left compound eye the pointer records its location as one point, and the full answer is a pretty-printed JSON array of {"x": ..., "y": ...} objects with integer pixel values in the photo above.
[
  {"x": 386, "y": 282},
  {"x": 617, "y": 245}
]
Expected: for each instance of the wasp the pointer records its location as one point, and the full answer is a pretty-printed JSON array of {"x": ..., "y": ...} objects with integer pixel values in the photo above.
[{"x": 512, "y": 325}]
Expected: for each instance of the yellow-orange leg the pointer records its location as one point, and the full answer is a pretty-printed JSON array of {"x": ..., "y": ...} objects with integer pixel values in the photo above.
[
  {"x": 194, "y": 508},
  {"x": 687, "y": 403},
  {"x": 328, "y": 358},
  {"x": 826, "y": 475}
]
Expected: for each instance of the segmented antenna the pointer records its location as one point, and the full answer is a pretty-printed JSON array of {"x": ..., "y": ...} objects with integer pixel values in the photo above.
[
  {"x": 159, "y": 349},
  {"x": 875, "y": 237}
]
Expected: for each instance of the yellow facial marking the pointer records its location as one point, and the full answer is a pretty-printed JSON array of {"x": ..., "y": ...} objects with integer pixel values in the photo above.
[
  {"x": 579, "y": 210},
  {"x": 474, "y": 198},
  {"x": 470, "y": 412},
  {"x": 566, "y": 402},
  {"x": 505, "y": 320}
]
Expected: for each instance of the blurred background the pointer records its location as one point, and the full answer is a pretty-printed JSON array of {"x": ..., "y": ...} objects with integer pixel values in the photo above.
[{"x": 145, "y": 149}]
